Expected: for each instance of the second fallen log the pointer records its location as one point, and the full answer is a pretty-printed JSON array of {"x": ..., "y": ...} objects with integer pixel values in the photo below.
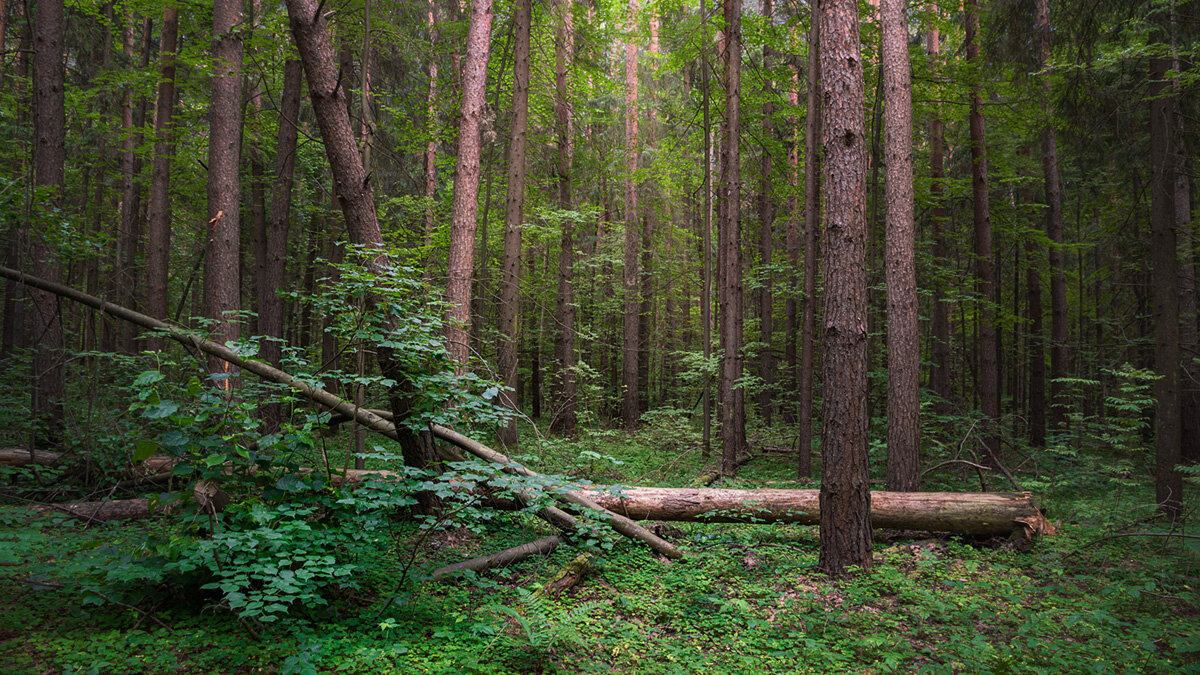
[{"x": 993, "y": 513}]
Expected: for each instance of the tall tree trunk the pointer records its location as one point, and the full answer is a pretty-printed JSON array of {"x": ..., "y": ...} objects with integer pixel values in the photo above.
[
  {"x": 706, "y": 242},
  {"x": 564, "y": 348},
  {"x": 514, "y": 203},
  {"x": 49, "y": 155},
  {"x": 130, "y": 205},
  {"x": 221, "y": 288},
  {"x": 271, "y": 275},
  {"x": 466, "y": 182},
  {"x": 355, "y": 195},
  {"x": 903, "y": 346},
  {"x": 766, "y": 217},
  {"x": 1036, "y": 345},
  {"x": 989, "y": 363},
  {"x": 939, "y": 374},
  {"x": 812, "y": 238},
  {"x": 729, "y": 253},
  {"x": 646, "y": 308},
  {"x": 1168, "y": 482},
  {"x": 629, "y": 367},
  {"x": 791, "y": 328},
  {"x": 158, "y": 211},
  {"x": 1054, "y": 227},
  {"x": 845, "y": 491},
  {"x": 430, "y": 144}
]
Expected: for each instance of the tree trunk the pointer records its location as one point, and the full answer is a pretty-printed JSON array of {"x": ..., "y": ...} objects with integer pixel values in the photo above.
[
  {"x": 431, "y": 126},
  {"x": 564, "y": 420},
  {"x": 1163, "y": 164},
  {"x": 271, "y": 277},
  {"x": 903, "y": 346},
  {"x": 989, "y": 357},
  {"x": 1054, "y": 227},
  {"x": 221, "y": 277},
  {"x": 49, "y": 154},
  {"x": 791, "y": 323},
  {"x": 845, "y": 495},
  {"x": 812, "y": 238},
  {"x": 729, "y": 252},
  {"x": 158, "y": 216},
  {"x": 466, "y": 182},
  {"x": 993, "y": 513},
  {"x": 939, "y": 374},
  {"x": 510, "y": 283},
  {"x": 629, "y": 360},
  {"x": 766, "y": 217}
]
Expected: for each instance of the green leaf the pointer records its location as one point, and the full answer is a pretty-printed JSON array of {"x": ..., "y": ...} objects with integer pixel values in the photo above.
[
  {"x": 147, "y": 378},
  {"x": 144, "y": 449}
]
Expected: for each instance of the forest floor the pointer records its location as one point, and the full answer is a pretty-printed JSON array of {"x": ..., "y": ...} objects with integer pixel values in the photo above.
[{"x": 1107, "y": 593}]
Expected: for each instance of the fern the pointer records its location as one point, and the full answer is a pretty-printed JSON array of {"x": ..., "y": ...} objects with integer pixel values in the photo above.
[{"x": 545, "y": 626}]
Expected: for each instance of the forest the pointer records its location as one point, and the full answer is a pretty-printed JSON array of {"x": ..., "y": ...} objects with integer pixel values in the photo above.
[{"x": 631, "y": 336}]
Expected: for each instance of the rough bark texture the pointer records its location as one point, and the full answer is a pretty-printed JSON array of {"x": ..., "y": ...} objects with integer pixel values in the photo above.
[
  {"x": 1054, "y": 227},
  {"x": 791, "y": 323},
  {"x": 49, "y": 153},
  {"x": 939, "y": 373},
  {"x": 729, "y": 252},
  {"x": 1168, "y": 482},
  {"x": 513, "y": 211},
  {"x": 845, "y": 492},
  {"x": 465, "y": 205},
  {"x": 221, "y": 259},
  {"x": 994, "y": 513},
  {"x": 563, "y": 389},
  {"x": 812, "y": 238},
  {"x": 989, "y": 357},
  {"x": 904, "y": 354},
  {"x": 158, "y": 210},
  {"x": 353, "y": 192},
  {"x": 629, "y": 352},
  {"x": 766, "y": 216}
]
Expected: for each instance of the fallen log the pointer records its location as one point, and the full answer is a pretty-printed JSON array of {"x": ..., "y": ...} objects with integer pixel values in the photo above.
[
  {"x": 113, "y": 509},
  {"x": 508, "y": 556},
  {"x": 993, "y": 513},
  {"x": 21, "y": 457}
]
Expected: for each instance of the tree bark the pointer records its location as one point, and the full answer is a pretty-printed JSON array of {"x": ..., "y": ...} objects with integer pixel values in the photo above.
[
  {"x": 992, "y": 513},
  {"x": 629, "y": 352},
  {"x": 158, "y": 216},
  {"x": 1168, "y": 482},
  {"x": 514, "y": 203},
  {"x": 939, "y": 374},
  {"x": 1054, "y": 226},
  {"x": 564, "y": 392},
  {"x": 766, "y": 217},
  {"x": 729, "y": 252},
  {"x": 989, "y": 357},
  {"x": 49, "y": 155},
  {"x": 466, "y": 183},
  {"x": 812, "y": 238},
  {"x": 845, "y": 495},
  {"x": 221, "y": 277},
  {"x": 903, "y": 346}
]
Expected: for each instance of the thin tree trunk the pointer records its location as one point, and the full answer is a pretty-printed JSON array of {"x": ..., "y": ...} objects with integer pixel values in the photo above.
[
  {"x": 158, "y": 217},
  {"x": 49, "y": 155},
  {"x": 706, "y": 242},
  {"x": 431, "y": 143},
  {"x": 766, "y": 217},
  {"x": 989, "y": 364},
  {"x": 939, "y": 375},
  {"x": 791, "y": 328},
  {"x": 812, "y": 220},
  {"x": 1164, "y": 164},
  {"x": 221, "y": 288},
  {"x": 629, "y": 361},
  {"x": 1054, "y": 227},
  {"x": 903, "y": 339},
  {"x": 271, "y": 275},
  {"x": 514, "y": 203},
  {"x": 466, "y": 183},
  {"x": 731, "y": 397},
  {"x": 564, "y": 420},
  {"x": 845, "y": 495},
  {"x": 125, "y": 279}
]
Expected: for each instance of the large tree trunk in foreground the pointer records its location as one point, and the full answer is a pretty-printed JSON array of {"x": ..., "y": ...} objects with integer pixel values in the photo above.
[
  {"x": 845, "y": 493},
  {"x": 729, "y": 253}
]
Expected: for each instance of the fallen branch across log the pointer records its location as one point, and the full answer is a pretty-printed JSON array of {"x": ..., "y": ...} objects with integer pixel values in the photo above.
[
  {"x": 958, "y": 513},
  {"x": 508, "y": 556}
]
